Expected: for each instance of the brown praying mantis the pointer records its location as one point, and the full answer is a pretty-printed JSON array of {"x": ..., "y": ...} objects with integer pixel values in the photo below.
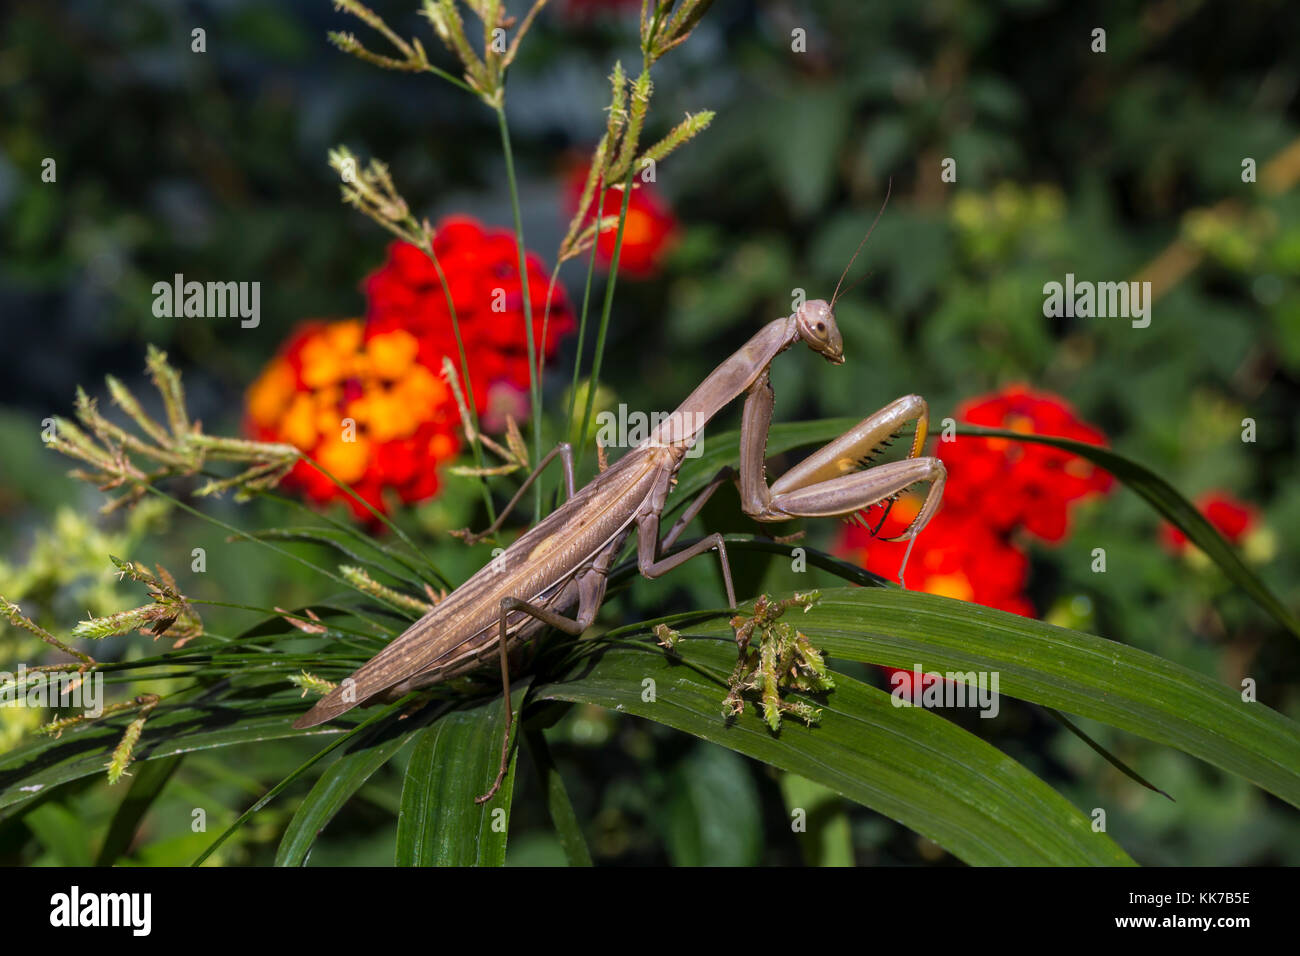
[{"x": 565, "y": 560}]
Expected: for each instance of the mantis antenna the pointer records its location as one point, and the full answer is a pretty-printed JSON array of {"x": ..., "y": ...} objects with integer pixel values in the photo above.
[{"x": 888, "y": 189}]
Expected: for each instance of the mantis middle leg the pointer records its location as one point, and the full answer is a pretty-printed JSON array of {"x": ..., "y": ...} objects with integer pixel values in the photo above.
[
  {"x": 648, "y": 548},
  {"x": 565, "y": 451}
]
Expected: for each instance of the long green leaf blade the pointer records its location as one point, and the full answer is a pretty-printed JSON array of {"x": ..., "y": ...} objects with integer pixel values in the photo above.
[
  {"x": 1068, "y": 670},
  {"x": 455, "y": 760},
  {"x": 558, "y": 804},
  {"x": 146, "y": 785},
  {"x": 907, "y": 763},
  {"x": 335, "y": 787},
  {"x": 1171, "y": 505}
]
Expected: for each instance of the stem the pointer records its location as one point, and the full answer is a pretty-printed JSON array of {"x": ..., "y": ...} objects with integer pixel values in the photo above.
[
  {"x": 605, "y": 311},
  {"x": 427, "y": 248},
  {"x": 239, "y": 532},
  {"x": 535, "y": 395},
  {"x": 546, "y": 319},
  {"x": 442, "y": 578},
  {"x": 582, "y": 324}
]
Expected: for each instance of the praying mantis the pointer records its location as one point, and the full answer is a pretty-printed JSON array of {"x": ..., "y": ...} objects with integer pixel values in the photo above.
[{"x": 564, "y": 561}]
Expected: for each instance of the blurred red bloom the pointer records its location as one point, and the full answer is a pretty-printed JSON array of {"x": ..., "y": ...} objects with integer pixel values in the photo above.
[
  {"x": 1020, "y": 484},
  {"x": 364, "y": 408},
  {"x": 996, "y": 488},
  {"x": 958, "y": 555},
  {"x": 482, "y": 270},
  {"x": 649, "y": 232},
  {"x": 1232, "y": 518}
]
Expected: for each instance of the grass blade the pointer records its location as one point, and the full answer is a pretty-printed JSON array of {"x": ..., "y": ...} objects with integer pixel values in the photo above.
[
  {"x": 558, "y": 804},
  {"x": 147, "y": 784},
  {"x": 335, "y": 787},
  {"x": 455, "y": 760},
  {"x": 908, "y": 763},
  {"x": 1067, "y": 670}
]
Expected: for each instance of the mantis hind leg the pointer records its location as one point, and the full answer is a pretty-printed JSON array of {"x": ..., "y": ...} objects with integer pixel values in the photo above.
[{"x": 591, "y": 591}]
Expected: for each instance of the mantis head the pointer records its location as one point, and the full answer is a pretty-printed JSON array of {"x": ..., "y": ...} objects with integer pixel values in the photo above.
[{"x": 817, "y": 327}]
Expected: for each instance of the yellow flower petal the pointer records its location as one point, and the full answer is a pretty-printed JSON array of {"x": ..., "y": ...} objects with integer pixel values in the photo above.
[
  {"x": 347, "y": 460},
  {"x": 392, "y": 354},
  {"x": 268, "y": 397}
]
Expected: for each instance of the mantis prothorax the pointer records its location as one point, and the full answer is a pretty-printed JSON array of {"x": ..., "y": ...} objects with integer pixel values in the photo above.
[{"x": 564, "y": 561}]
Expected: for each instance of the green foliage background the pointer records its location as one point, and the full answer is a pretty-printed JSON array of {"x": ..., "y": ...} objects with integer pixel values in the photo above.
[{"x": 213, "y": 165}]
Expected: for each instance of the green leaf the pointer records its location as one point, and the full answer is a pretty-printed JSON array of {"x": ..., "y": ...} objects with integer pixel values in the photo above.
[
  {"x": 1106, "y": 755},
  {"x": 360, "y": 731},
  {"x": 48, "y": 762},
  {"x": 558, "y": 804},
  {"x": 335, "y": 787},
  {"x": 455, "y": 760},
  {"x": 801, "y": 142},
  {"x": 1176, "y": 509},
  {"x": 62, "y": 832},
  {"x": 1068, "y": 670},
  {"x": 907, "y": 763},
  {"x": 711, "y": 816},
  {"x": 826, "y": 838},
  {"x": 147, "y": 782}
]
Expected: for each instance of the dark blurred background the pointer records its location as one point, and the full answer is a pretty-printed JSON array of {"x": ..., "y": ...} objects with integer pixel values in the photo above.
[{"x": 1108, "y": 165}]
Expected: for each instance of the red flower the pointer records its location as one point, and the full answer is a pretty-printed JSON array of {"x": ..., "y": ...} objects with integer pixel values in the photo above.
[
  {"x": 995, "y": 488},
  {"x": 482, "y": 271},
  {"x": 1022, "y": 484},
  {"x": 649, "y": 232},
  {"x": 958, "y": 555},
  {"x": 364, "y": 408},
  {"x": 1232, "y": 518}
]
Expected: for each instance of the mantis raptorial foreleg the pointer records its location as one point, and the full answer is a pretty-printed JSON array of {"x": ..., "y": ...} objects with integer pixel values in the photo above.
[
  {"x": 591, "y": 592},
  {"x": 565, "y": 452},
  {"x": 841, "y": 496},
  {"x": 831, "y": 481}
]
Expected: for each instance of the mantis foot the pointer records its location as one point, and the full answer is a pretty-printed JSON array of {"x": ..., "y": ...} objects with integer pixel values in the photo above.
[{"x": 783, "y": 659}]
